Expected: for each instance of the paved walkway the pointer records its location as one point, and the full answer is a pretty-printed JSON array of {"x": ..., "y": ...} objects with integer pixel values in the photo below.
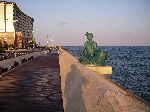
[{"x": 33, "y": 87}]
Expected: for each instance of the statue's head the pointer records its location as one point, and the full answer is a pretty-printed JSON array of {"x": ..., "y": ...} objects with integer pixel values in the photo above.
[{"x": 89, "y": 35}]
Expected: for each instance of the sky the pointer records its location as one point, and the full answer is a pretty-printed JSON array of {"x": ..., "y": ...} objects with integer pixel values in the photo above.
[{"x": 112, "y": 22}]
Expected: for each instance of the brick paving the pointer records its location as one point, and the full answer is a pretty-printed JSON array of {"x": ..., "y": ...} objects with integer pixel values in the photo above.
[{"x": 33, "y": 87}]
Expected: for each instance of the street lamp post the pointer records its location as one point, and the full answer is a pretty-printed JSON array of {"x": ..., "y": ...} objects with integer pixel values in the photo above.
[
  {"x": 28, "y": 39},
  {"x": 47, "y": 41},
  {"x": 15, "y": 39},
  {"x": 33, "y": 39},
  {"x": 52, "y": 41}
]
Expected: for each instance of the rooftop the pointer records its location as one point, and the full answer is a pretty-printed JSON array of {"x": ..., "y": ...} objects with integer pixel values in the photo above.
[{"x": 5, "y": 2}]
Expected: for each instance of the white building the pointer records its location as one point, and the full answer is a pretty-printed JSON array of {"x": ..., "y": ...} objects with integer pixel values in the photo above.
[{"x": 13, "y": 20}]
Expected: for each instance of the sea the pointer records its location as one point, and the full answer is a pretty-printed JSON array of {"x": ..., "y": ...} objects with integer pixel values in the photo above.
[{"x": 131, "y": 66}]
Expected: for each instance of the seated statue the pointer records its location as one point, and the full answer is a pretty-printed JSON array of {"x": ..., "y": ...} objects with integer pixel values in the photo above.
[{"x": 92, "y": 55}]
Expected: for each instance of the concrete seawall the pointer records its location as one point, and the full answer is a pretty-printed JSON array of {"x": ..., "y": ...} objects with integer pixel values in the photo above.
[{"x": 84, "y": 91}]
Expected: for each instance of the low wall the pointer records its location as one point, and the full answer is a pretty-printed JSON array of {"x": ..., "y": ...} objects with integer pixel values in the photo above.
[
  {"x": 7, "y": 64},
  {"x": 84, "y": 91}
]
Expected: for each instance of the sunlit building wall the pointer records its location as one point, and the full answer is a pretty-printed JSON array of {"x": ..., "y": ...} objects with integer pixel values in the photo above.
[{"x": 12, "y": 19}]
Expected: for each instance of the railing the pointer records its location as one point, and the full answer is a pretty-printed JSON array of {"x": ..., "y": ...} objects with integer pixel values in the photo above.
[
  {"x": 12, "y": 62},
  {"x": 12, "y": 54}
]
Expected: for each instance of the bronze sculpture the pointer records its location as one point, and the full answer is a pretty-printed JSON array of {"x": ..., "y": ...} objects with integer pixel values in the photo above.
[{"x": 92, "y": 55}]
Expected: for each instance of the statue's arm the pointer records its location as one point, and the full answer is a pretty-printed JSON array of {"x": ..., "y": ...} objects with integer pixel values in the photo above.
[
  {"x": 84, "y": 49},
  {"x": 95, "y": 45},
  {"x": 85, "y": 44}
]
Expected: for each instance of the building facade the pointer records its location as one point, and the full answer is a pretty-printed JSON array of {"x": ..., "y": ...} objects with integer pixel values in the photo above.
[{"x": 15, "y": 23}]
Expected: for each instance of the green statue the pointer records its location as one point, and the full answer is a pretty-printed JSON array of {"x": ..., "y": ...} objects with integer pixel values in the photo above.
[{"x": 92, "y": 55}]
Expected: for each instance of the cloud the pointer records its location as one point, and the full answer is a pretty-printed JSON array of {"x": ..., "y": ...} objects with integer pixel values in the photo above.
[
  {"x": 80, "y": 22},
  {"x": 128, "y": 32},
  {"x": 63, "y": 23}
]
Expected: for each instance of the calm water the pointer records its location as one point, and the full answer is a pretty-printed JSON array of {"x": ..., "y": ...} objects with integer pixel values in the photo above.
[{"x": 131, "y": 67}]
